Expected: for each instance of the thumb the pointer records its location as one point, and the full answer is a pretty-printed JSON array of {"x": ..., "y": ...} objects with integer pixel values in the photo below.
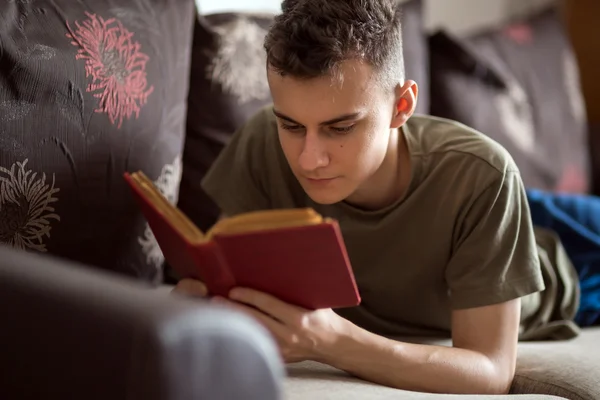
[{"x": 191, "y": 287}]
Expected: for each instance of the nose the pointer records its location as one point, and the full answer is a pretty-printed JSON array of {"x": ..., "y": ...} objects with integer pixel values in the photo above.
[{"x": 314, "y": 154}]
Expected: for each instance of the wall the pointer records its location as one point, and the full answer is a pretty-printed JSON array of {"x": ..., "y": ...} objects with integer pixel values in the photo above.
[
  {"x": 209, "y": 6},
  {"x": 459, "y": 16},
  {"x": 582, "y": 18}
]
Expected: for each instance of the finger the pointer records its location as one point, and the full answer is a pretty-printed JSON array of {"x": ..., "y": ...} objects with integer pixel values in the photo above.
[
  {"x": 278, "y": 330},
  {"x": 282, "y": 335},
  {"x": 271, "y": 305},
  {"x": 191, "y": 287}
]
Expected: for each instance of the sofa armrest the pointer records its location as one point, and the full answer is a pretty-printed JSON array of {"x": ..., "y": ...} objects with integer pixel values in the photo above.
[{"x": 68, "y": 331}]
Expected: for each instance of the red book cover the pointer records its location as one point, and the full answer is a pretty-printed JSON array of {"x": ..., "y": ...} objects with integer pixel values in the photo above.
[{"x": 307, "y": 266}]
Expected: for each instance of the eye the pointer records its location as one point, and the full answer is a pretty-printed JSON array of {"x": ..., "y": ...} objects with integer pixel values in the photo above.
[
  {"x": 291, "y": 128},
  {"x": 342, "y": 129}
]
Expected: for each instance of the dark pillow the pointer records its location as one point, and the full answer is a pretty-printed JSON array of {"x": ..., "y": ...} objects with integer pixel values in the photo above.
[
  {"x": 89, "y": 90},
  {"x": 416, "y": 50},
  {"x": 520, "y": 86},
  {"x": 228, "y": 85}
]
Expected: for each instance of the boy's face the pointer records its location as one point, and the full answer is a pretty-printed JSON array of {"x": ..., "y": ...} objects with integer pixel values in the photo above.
[{"x": 335, "y": 135}]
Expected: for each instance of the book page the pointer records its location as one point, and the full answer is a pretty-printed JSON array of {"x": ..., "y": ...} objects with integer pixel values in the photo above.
[
  {"x": 266, "y": 219},
  {"x": 171, "y": 213}
]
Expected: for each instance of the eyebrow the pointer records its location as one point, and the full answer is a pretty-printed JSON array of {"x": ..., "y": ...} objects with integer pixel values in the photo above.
[{"x": 341, "y": 118}]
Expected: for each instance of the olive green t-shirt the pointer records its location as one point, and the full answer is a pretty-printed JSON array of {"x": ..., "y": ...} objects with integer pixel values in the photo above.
[{"x": 460, "y": 237}]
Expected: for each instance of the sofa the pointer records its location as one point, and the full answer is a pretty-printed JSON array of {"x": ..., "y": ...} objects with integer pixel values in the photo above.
[
  {"x": 72, "y": 332},
  {"x": 90, "y": 90}
]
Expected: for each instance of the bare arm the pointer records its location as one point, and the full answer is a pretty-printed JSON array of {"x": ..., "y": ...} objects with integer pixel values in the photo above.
[{"x": 481, "y": 361}]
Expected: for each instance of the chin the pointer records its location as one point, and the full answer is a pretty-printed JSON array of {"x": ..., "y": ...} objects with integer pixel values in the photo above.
[
  {"x": 325, "y": 197},
  {"x": 325, "y": 200},
  {"x": 326, "y": 193}
]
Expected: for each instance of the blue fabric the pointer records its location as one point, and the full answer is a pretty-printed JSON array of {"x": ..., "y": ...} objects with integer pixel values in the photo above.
[{"x": 576, "y": 220}]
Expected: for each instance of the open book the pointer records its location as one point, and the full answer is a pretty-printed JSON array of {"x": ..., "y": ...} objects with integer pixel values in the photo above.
[{"x": 295, "y": 255}]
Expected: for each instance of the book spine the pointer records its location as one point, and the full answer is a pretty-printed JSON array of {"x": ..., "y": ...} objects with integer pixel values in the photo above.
[{"x": 215, "y": 269}]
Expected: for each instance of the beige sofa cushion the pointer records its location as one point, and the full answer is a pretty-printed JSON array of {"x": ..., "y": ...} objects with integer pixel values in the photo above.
[
  {"x": 545, "y": 370},
  {"x": 310, "y": 380},
  {"x": 569, "y": 369}
]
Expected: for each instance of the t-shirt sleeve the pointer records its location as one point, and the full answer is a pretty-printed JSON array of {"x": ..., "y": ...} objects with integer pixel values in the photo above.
[
  {"x": 235, "y": 180},
  {"x": 495, "y": 255}
]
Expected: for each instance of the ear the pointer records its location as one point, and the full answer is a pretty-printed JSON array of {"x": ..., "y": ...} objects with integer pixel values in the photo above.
[{"x": 405, "y": 103}]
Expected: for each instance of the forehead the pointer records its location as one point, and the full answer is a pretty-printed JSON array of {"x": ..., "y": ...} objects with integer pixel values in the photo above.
[{"x": 352, "y": 90}]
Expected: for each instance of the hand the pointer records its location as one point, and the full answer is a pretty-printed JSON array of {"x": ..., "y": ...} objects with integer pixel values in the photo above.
[
  {"x": 301, "y": 334},
  {"x": 190, "y": 287}
]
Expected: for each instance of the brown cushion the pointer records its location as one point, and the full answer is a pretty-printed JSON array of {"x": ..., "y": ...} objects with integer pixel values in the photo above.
[
  {"x": 228, "y": 85},
  {"x": 87, "y": 93},
  {"x": 518, "y": 84},
  {"x": 416, "y": 50}
]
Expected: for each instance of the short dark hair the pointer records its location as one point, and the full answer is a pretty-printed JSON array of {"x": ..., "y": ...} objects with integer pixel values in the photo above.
[{"x": 310, "y": 38}]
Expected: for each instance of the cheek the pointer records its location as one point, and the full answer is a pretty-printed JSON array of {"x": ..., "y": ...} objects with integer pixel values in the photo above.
[
  {"x": 291, "y": 148},
  {"x": 378, "y": 139},
  {"x": 366, "y": 149}
]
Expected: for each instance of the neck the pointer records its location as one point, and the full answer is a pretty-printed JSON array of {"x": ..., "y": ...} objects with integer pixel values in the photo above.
[{"x": 391, "y": 179}]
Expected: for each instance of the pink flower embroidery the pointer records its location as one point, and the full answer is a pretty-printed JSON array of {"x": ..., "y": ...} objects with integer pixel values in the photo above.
[
  {"x": 114, "y": 62},
  {"x": 520, "y": 33},
  {"x": 573, "y": 180}
]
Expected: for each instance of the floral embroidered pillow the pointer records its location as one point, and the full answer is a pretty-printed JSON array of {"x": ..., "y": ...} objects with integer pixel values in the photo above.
[{"x": 87, "y": 93}]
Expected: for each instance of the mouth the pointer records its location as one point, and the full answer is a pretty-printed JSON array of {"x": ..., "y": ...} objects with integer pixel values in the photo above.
[{"x": 320, "y": 180}]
